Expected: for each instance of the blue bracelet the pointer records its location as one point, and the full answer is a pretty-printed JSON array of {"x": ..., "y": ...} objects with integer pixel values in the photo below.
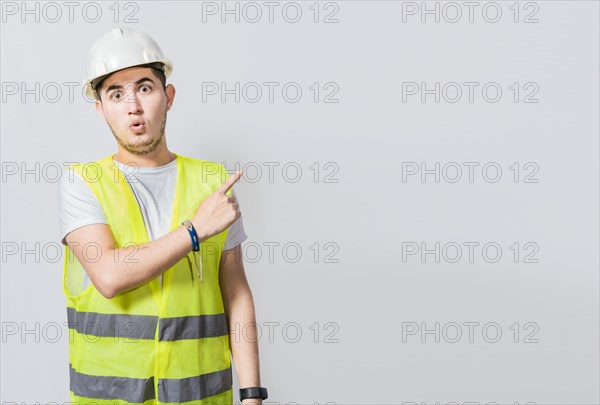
[
  {"x": 192, "y": 231},
  {"x": 195, "y": 248}
]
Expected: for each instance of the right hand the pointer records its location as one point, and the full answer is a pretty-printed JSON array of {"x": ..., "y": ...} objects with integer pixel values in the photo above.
[{"x": 218, "y": 211}]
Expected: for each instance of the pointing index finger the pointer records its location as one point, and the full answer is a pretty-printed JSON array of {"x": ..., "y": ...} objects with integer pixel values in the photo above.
[{"x": 224, "y": 188}]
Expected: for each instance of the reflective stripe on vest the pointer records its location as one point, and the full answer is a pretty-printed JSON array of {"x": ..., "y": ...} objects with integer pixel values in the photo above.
[
  {"x": 192, "y": 388},
  {"x": 155, "y": 343},
  {"x": 136, "y": 390},
  {"x": 144, "y": 326},
  {"x": 139, "y": 390}
]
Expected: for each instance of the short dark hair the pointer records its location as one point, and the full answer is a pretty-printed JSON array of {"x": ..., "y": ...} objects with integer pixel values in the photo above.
[{"x": 156, "y": 68}]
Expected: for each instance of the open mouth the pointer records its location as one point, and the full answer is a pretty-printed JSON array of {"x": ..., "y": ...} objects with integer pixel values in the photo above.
[{"x": 137, "y": 126}]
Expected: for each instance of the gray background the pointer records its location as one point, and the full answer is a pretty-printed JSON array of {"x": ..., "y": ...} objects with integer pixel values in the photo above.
[{"x": 362, "y": 301}]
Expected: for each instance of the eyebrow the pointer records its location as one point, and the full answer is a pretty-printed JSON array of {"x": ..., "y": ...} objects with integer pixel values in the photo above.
[{"x": 118, "y": 86}]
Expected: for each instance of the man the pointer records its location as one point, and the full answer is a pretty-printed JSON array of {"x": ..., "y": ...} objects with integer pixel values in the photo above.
[{"x": 157, "y": 297}]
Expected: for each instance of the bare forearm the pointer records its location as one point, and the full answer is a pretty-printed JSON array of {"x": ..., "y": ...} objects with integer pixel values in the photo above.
[
  {"x": 121, "y": 269},
  {"x": 129, "y": 267},
  {"x": 243, "y": 340}
]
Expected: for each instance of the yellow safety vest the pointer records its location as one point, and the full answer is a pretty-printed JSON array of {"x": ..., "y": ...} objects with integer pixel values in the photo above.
[{"x": 151, "y": 344}]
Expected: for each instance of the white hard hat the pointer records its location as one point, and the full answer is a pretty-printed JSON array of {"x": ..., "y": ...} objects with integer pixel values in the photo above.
[{"x": 119, "y": 49}]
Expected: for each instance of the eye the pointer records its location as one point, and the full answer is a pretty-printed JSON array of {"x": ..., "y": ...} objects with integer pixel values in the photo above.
[
  {"x": 144, "y": 88},
  {"x": 116, "y": 96}
]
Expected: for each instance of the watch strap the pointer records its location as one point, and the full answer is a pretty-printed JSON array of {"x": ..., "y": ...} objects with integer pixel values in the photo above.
[{"x": 253, "y": 392}]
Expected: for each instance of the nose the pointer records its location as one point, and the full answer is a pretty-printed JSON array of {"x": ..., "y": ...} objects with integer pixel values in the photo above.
[{"x": 133, "y": 103}]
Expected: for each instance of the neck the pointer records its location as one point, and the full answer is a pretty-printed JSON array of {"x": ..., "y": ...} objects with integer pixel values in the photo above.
[{"x": 159, "y": 157}]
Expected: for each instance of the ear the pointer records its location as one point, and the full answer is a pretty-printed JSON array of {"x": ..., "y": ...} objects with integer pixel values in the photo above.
[
  {"x": 170, "y": 91},
  {"x": 100, "y": 109}
]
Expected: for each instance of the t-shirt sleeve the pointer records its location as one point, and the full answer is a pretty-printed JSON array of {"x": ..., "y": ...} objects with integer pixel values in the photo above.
[
  {"x": 236, "y": 233},
  {"x": 77, "y": 205}
]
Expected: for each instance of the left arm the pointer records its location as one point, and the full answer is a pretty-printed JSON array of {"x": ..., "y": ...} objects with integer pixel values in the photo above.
[{"x": 239, "y": 308}]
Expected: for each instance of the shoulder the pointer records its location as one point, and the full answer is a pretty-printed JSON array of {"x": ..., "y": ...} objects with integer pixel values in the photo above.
[
  {"x": 73, "y": 187},
  {"x": 90, "y": 172},
  {"x": 190, "y": 161},
  {"x": 210, "y": 171},
  {"x": 71, "y": 180}
]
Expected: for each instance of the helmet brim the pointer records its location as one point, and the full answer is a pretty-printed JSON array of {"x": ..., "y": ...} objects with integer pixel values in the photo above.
[{"x": 90, "y": 85}]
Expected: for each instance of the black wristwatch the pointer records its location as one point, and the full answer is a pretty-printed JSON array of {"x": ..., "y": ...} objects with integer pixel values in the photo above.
[{"x": 253, "y": 392}]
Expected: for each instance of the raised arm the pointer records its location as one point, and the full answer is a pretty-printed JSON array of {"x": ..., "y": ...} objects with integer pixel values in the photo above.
[{"x": 116, "y": 270}]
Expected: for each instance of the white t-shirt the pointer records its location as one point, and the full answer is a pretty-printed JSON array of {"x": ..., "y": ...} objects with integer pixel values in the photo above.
[{"x": 154, "y": 190}]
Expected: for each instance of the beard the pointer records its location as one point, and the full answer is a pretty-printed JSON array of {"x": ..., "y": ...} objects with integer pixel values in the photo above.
[{"x": 144, "y": 148}]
